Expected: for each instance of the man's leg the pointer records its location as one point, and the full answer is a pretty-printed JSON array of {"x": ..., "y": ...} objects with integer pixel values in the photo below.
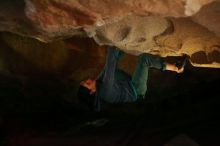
[{"x": 140, "y": 75}]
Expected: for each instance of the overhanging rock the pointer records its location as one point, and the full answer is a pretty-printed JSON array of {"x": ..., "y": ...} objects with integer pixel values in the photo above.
[
  {"x": 136, "y": 26},
  {"x": 161, "y": 36}
]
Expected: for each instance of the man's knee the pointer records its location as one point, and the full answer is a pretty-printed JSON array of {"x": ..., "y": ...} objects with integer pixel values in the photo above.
[
  {"x": 145, "y": 59},
  {"x": 150, "y": 60}
]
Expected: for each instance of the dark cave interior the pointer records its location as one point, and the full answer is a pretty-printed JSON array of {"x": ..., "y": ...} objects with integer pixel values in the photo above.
[
  {"x": 44, "y": 111},
  {"x": 48, "y": 46}
]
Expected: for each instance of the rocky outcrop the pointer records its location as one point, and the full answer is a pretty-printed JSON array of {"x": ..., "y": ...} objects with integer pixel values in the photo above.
[
  {"x": 28, "y": 57},
  {"x": 47, "y": 20},
  {"x": 62, "y": 18},
  {"x": 164, "y": 37},
  {"x": 135, "y": 26},
  {"x": 209, "y": 17}
]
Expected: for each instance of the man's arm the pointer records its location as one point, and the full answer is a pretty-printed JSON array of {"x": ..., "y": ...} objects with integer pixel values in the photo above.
[{"x": 102, "y": 73}]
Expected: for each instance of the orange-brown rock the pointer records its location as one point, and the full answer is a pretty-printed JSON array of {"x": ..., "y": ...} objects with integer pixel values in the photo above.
[
  {"x": 164, "y": 37},
  {"x": 135, "y": 26},
  {"x": 51, "y": 19},
  {"x": 209, "y": 16}
]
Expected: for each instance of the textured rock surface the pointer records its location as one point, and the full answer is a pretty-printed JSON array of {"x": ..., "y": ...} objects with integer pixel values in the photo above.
[
  {"x": 132, "y": 25},
  {"x": 209, "y": 16},
  {"x": 13, "y": 18},
  {"x": 22, "y": 56},
  {"x": 61, "y": 18},
  {"x": 27, "y": 56},
  {"x": 46, "y": 64},
  {"x": 164, "y": 37},
  {"x": 52, "y": 19},
  {"x": 134, "y": 34}
]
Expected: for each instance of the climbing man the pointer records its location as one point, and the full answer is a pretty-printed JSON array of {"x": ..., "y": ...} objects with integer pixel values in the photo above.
[{"x": 116, "y": 86}]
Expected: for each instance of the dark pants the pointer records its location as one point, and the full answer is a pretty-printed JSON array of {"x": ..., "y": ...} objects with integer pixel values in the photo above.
[{"x": 139, "y": 78}]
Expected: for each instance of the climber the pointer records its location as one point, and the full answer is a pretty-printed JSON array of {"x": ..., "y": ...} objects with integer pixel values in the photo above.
[{"x": 116, "y": 86}]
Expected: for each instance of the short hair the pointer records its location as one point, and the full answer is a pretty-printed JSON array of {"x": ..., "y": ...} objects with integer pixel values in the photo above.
[{"x": 85, "y": 97}]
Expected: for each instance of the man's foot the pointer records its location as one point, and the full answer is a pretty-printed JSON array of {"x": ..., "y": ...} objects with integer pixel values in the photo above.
[
  {"x": 182, "y": 62},
  {"x": 141, "y": 96}
]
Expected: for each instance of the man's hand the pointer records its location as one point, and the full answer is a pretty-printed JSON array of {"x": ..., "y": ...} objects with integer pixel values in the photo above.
[
  {"x": 172, "y": 67},
  {"x": 180, "y": 70}
]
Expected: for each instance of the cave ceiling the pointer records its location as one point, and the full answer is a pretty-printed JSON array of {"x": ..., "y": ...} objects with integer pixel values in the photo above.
[{"x": 161, "y": 27}]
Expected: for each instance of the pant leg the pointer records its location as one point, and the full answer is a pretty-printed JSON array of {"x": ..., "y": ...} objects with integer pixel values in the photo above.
[
  {"x": 108, "y": 76},
  {"x": 140, "y": 75}
]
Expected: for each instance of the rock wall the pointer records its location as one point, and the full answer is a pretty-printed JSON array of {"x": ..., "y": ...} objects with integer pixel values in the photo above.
[
  {"x": 75, "y": 57},
  {"x": 209, "y": 17},
  {"x": 135, "y": 26},
  {"x": 164, "y": 37},
  {"x": 52, "y": 19},
  {"x": 61, "y": 18}
]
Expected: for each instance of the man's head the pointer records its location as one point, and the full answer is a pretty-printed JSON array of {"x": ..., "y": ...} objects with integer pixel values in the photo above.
[
  {"x": 90, "y": 84},
  {"x": 86, "y": 92}
]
